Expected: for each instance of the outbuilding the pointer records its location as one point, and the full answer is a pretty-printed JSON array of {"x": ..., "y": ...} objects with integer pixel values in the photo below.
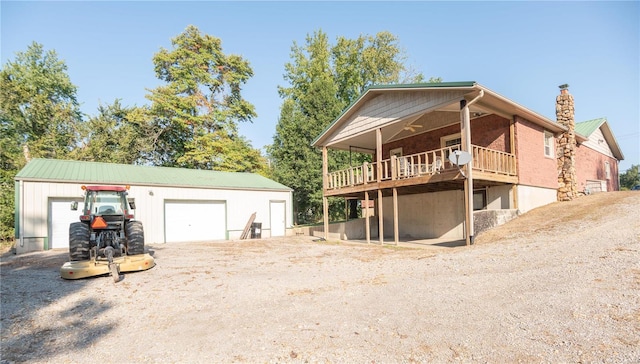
[{"x": 174, "y": 204}]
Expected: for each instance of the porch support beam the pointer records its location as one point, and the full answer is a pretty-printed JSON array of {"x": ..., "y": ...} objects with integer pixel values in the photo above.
[
  {"x": 367, "y": 223},
  {"x": 380, "y": 227},
  {"x": 379, "y": 154},
  {"x": 395, "y": 215},
  {"x": 325, "y": 186},
  {"x": 512, "y": 141},
  {"x": 465, "y": 141},
  {"x": 465, "y": 132},
  {"x": 379, "y": 178}
]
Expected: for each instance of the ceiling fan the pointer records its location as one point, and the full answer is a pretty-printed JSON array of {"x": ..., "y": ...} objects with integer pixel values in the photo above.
[{"x": 412, "y": 127}]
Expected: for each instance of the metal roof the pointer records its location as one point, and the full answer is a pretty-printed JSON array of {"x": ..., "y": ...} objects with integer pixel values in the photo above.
[
  {"x": 587, "y": 127},
  {"x": 55, "y": 170}
]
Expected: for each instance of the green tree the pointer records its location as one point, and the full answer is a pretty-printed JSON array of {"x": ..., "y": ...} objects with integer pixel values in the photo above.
[
  {"x": 323, "y": 80},
  {"x": 39, "y": 117},
  {"x": 630, "y": 178},
  {"x": 197, "y": 111},
  {"x": 117, "y": 134}
]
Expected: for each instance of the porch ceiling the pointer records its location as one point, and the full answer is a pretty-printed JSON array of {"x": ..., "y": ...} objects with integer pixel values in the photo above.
[
  {"x": 401, "y": 128},
  {"x": 428, "y": 107}
]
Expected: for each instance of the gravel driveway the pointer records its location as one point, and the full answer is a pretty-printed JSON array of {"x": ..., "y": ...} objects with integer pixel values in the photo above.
[{"x": 545, "y": 292}]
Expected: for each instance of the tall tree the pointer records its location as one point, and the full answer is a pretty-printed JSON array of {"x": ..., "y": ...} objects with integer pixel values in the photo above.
[
  {"x": 117, "y": 134},
  {"x": 197, "y": 111},
  {"x": 324, "y": 79},
  {"x": 39, "y": 117}
]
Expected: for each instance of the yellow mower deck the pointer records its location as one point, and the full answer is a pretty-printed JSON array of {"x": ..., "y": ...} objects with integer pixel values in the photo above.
[{"x": 91, "y": 268}]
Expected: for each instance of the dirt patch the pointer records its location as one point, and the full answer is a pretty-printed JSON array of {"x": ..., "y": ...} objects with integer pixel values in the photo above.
[{"x": 559, "y": 284}]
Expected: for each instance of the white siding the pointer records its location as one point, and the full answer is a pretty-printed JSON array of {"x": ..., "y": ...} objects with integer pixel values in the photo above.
[
  {"x": 35, "y": 197},
  {"x": 598, "y": 143}
]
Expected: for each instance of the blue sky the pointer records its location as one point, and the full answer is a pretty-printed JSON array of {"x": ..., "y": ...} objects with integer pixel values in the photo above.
[{"x": 522, "y": 50}]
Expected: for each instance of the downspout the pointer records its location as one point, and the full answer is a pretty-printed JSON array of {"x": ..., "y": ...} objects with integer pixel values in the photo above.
[{"x": 468, "y": 182}]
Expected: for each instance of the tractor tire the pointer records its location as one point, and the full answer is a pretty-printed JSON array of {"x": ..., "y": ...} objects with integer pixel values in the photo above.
[
  {"x": 79, "y": 241},
  {"x": 135, "y": 238}
]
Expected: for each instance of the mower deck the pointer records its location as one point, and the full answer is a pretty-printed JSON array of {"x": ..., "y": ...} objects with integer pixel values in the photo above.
[{"x": 91, "y": 268}]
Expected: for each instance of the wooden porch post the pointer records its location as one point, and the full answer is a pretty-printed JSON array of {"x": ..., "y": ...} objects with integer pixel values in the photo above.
[
  {"x": 395, "y": 215},
  {"x": 367, "y": 223},
  {"x": 512, "y": 141},
  {"x": 468, "y": 182},
  {"x": 379, "y": 178},
  {"x": 325, "y": 185},
  {"x": 379, "y": 154},
  {"x": 380, "y": 227}
]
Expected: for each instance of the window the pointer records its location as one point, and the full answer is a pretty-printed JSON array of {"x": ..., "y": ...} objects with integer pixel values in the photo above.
[
  {"x": 397, "y": 152},
  {"x": 548, "y": 144},
  {"x": 453, "y": 140},
  {"x": 607, "y": 170},
  {"x": 479, "y": 200},
  {"x": 449, "y": 140}
]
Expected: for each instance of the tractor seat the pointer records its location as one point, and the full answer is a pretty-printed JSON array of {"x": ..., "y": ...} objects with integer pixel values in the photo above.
[{"x": 105, "y": 210}]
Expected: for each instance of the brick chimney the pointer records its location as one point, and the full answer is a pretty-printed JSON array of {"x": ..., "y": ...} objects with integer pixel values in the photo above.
[{"x": 566, "y": 148}]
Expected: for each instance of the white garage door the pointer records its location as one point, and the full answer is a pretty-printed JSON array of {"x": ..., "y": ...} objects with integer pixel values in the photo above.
[
  {"x": 61, "y": 216},
  {"x": 194, "y": 221}
]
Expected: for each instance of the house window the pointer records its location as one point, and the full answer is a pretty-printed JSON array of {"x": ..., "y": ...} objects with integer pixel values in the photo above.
[
  {"x": 479, "y": 200},
  {"x": 548, "y": 144},
  {"x": 397, "y": 152},
  {"x": 607, "y": 170},
  {"x": 450, "y": 140}
]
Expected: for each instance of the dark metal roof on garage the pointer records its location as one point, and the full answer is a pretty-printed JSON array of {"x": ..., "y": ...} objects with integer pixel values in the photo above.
[{"x": 54, "y": 170}]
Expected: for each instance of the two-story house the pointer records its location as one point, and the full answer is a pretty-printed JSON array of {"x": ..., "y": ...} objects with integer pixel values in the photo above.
[{"x": 448, "y": 156}]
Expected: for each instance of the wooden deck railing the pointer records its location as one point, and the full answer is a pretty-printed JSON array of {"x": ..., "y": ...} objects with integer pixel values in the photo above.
[
  {"x": 421, "y": 164},
  {"x": 489, "y": 160}
]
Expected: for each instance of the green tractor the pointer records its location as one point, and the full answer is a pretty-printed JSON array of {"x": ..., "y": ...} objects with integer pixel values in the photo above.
[{"x": 106, "y": 240}]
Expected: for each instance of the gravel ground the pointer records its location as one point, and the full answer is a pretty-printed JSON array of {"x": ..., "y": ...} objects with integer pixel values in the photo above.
[{"x": 559, "y": 284}]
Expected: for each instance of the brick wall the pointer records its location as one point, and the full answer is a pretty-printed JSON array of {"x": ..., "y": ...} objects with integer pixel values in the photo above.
[
  {"x": 534, "y": 168},
  {"x": 490, "y": 131},
  {"x": 590, "y": 165}
]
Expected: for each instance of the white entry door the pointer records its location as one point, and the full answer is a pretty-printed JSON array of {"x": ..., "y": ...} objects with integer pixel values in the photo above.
[
  {"x": 278, "y": 222},
  {"x": 60, "y": 217},
  {"x": 194, "y": 221}
]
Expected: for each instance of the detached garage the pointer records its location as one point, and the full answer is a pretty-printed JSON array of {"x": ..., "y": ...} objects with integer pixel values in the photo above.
[{"x": 174, "y": 204}]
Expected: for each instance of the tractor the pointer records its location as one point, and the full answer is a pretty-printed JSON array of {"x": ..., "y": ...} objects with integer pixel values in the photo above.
[{"x": 106, "y": 240}]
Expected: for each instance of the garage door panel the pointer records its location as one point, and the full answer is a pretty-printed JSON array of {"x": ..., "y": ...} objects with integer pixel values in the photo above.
[
  {"x": 195, "y": 221},
  {"x": 61, "y": 217}
]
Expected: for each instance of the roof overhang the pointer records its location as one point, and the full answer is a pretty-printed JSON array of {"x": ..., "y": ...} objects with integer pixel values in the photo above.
[
  {"x": 604, "y": 127},
  {"x": 443, "y": 111}
]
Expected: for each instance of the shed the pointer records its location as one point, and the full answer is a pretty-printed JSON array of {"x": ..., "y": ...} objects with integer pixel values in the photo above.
[{"x": 174, "y": 204}]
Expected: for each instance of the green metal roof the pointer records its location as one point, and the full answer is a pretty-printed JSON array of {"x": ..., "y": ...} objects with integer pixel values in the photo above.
[
  {"x": 586, "y": 128},
  {"x": 423, "y": 85},
  {"x": 55, "y": 170}
]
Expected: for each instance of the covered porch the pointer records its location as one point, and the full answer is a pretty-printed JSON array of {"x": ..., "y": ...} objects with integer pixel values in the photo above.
[{"x": 410, "y": 131}]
